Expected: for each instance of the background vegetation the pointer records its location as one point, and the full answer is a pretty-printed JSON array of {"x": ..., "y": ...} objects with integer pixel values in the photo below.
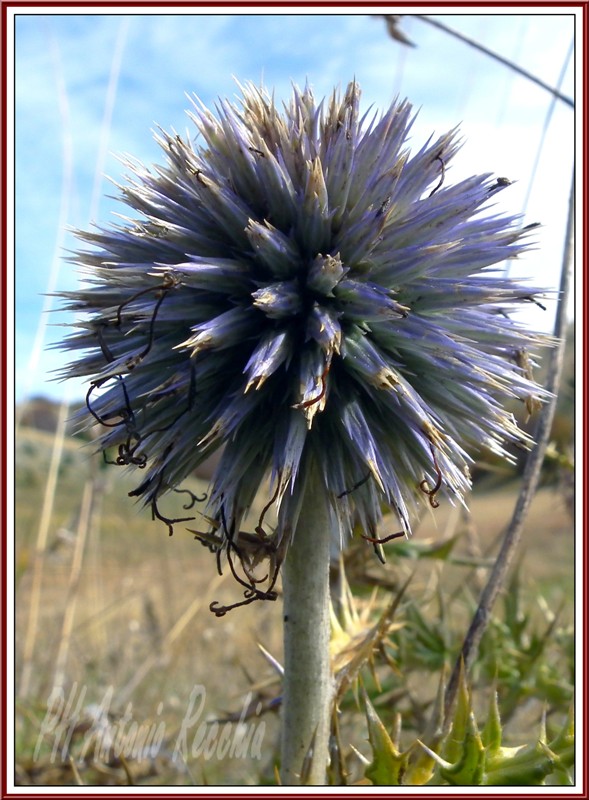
[{"x": 121, "y": 621}]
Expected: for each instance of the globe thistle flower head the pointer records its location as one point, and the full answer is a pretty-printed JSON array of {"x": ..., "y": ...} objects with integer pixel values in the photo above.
[{"x": 303, "y": 290}]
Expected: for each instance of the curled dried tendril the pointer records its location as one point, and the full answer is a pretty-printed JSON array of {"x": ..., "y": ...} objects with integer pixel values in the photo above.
[
  {"x": 313, "y": 400},
  {"x": 126, "y": 453},
  {"x": 372, "y": 539},
  {"x": 438, "y": 484},
  {"x": 155, "y": 512},
  {"x": 250, "y": 549},
  {"x": 442, "y": 176},
  {"x": 384, "y": 539},
  {"x": 170, "y": 522},
  {"x": 250, "y": 597},
  {"x": 259, "y": 528},
  {"x": 194, "y": 498},
  {"x": 170, "y": 280},
  {"x": 124, "y": 417}
]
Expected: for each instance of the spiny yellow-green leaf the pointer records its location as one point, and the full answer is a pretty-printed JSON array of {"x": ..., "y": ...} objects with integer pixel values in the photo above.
[
  {"x": 529, "y": 765},
  {"x": 464, "y": 752},
  {"x": 564, "y": 743},
  {"x": 388, "y": 764},
  {"x": 468, "y": 770},
  {"x": 492, "y": 733},
  {"x": 355, "y": 639},
  {"x": 421, "y": 761},
  {"x": 563, "y": 752},
  {"x": 431, "y": 754},
  {"x": 520, "y": 766},
  {"x": 461, "y": 721},
  {"x": 567, "y": 734},
  {"x": 560, "y": 763},
  {"x": 421, "y": 765}
]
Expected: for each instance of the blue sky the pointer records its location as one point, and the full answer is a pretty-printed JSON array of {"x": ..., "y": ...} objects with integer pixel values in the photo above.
[{"x": 90, "y": 86}]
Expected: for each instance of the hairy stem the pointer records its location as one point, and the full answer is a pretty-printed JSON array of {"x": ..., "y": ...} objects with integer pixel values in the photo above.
[{"x": 307, "y": 690}]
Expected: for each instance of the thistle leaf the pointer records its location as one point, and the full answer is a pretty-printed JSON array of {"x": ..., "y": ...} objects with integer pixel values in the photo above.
[{"x": 388, "y": 765}]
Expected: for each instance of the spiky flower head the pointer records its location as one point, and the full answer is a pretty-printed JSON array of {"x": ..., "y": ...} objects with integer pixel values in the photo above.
[{"x": 300, "y": 288}]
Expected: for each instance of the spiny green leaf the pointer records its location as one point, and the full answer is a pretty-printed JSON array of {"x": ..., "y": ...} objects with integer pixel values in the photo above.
[
  {"x": 529, "y": 765},
  {"x": 492, "y": 734},
  {"x": 520, "y": 766},
  {"x": 464, "y": 752},
  {"x": 468, "y": 770},
  {"x": 421, "y": 761},
  {"x": 564, "y": 743},
  {"x": 460, "y": 722},
  {"x": 388, "y": 764}
]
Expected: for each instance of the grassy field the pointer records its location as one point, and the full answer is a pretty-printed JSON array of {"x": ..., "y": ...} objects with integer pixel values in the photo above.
[{"x": 120, "y": 620}]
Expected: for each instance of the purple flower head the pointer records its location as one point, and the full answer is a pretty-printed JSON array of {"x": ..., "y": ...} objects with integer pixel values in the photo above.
[{"x": 303, "y": 290}]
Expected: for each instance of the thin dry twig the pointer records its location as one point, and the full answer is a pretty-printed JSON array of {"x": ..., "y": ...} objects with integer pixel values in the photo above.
[
  {"x": 531, "y": 476},
  {"x": 73, "y": 585},
  {"x": 41, "y": 551},
  {"x": 501, "y": 59}
]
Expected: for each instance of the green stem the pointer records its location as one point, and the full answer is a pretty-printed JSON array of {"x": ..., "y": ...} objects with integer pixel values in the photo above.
[{"x": 308, "y": 685}]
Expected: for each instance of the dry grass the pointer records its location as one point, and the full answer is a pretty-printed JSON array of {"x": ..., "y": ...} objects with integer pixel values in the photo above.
[{"x": 129, "y": 610}]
